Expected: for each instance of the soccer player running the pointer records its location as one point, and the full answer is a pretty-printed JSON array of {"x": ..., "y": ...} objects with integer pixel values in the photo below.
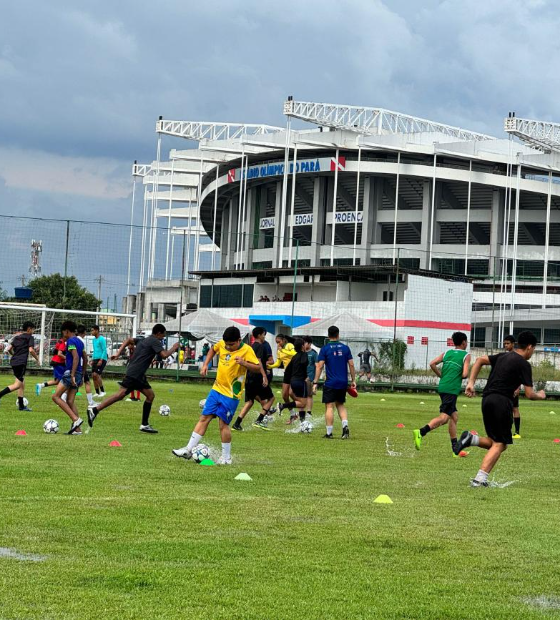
[
  {"x": 99, "y": 360},
  {"x": 81, "y": 333},
  {"x": 312, "y": 358},
  {"x": 454, "y": 368},
  {"x": 508, "y": 372},
  {"x": 58, "y": 364},
  {"x": 135, "y": 379},
  {"x": 336, "y": 358},
  {"x": 256, "y": 385},
  {"x": 509, "y": 345},
  {"x": 235, "y": 360},
  {"x": 283, "y": 358},
  {"x": 76, "y": 362},
  {"x": 297, "y": 374},
  {"x": 21, "y": 346},
  {"x": 365, "y": 366}
]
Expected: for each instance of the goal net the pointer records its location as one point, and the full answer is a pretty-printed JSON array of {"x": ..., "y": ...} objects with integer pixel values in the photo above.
[{"x": 115, "y": 326}]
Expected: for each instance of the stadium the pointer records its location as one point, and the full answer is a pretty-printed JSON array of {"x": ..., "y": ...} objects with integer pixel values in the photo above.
[{"x": 364, "y": 190}]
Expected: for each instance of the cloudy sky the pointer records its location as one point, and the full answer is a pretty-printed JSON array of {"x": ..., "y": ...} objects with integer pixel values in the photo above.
[{"x": 82, "y": 83}]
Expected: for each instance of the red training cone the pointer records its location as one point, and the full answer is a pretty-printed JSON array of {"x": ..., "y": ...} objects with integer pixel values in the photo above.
[
  {"x": 21, "y": 432},
  {"x": 554, "y": 440},
  {"x": 116, "y": 444},
  {"x": 400, "y": 425}
]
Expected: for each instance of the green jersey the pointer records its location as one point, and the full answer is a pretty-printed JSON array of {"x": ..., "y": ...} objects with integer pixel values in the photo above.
[{"x": 452, "y": 371}]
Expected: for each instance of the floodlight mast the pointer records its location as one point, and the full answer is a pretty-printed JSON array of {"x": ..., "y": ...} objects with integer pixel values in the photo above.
[
  {"x": 372, "y": 121},
  {"x": 194, "y": 130},
  {"x": 540, "y": 135}
]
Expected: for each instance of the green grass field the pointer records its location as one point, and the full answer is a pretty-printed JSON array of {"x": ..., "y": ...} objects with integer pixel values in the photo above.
[{"x": 134, "y": 532}]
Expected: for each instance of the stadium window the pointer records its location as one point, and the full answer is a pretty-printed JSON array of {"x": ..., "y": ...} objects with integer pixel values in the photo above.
[{"x": 388, "y": 296}]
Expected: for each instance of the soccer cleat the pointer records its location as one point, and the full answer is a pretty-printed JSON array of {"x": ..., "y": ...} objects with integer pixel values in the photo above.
[
  {"x": 183, "y": 453},
  {"x": 91, "y": 415},
  {"x": 146, "y": 428},
  {"x": 101, "y": 394},
  {"x": 464, "y": 442},
  {"x": 516, "y": 436},
  {"x": 261, "y": 425},
  {"x": 224, "y": 461},
  {"x": 345, "y": 433},
  {"x": 75, "y": 427},
  {"x": 236, "y": 427},
  {"x": 328, "y": 436},
  {"x": 26, "y": 409},
  {"x": 272, "y": 410},
  {"x": 417, "y": 438},
  {"x": 478, "y": 483},
  {"x": 38, "y": 388}
]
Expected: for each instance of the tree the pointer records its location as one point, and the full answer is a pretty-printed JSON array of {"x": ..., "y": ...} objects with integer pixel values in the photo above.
[{"x": 49, "y": 290}]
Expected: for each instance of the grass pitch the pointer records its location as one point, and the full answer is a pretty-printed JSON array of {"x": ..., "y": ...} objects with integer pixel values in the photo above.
[{"x": 90, "y": 531}]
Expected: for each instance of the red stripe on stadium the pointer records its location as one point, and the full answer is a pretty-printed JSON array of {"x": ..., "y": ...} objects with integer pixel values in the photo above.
[
  {"x": 241, "y": 321},
  {"x": 425, "y": 324}
]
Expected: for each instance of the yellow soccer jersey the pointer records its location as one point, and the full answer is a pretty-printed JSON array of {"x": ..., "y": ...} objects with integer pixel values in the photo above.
[
  {"x": 230, "y": 379},
  {"x": 284, "y": 356}
]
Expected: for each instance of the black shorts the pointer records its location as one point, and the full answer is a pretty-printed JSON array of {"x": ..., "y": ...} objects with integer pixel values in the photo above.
[
  {"x": 332, "y": 395},
  {"x": 130, "y": 384},
  {"x": 19, "y": 371},
  {"x": 516, "y": 402},
  {"x": 254, "y": 390},
  {"x": 86, "y": 377},
  {"x": 497, "y": 413},
  {"x": 97, "y": 366},
  {"x": 299, "y": 388},
  {"x": 448, "y": 404}
]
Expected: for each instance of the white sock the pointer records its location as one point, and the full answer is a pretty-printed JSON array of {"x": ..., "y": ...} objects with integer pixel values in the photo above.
[
  {"x": 90, "y": 400},
  {"x": 64, "y": 396},
  {"x": 482, "y": 476},
  {"x": 475, "y": 441},
  {"x": 193, "y": 441},
  {"x": 329, "y": 430},
  {"x": 226, "y": 451},
  {"x": 344, "y": 423}
]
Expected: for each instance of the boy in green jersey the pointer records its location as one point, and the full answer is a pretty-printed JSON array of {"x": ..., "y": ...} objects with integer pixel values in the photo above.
[{"x": 455, "y": 367}]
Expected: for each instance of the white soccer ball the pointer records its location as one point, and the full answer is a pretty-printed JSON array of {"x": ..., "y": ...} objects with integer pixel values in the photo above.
[
  {"x": 306, "y": 427},
  {"x": 164, "y": 410},
  {"x": 25, "y": 402},
  {"x": 200, "y": 453},
  {"x": 202, "y": 403},
  {"x": 50, "y": 427}
]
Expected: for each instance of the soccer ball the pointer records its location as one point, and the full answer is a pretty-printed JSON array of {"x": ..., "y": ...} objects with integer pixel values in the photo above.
[
  {"x": 202, "y": 403},
  {"x": 164, "y": 410},
  {"x": 50, "y": 427},
  {"x": 25, "y": 402},
  {"x": 200, "y": 453},
  {"x": 306, "y": 427}
]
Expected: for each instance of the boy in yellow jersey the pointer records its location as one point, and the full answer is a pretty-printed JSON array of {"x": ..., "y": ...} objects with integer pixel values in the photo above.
[
  {"x": 283, "y": 358},
  {"x": 235, "y": 359}
]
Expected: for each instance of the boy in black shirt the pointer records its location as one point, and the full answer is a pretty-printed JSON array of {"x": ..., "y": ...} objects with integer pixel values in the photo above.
[
  {"x": 21, "y": 345},
  {"x": 509, "y": 371},
  {"x": 145, "y": 351}
]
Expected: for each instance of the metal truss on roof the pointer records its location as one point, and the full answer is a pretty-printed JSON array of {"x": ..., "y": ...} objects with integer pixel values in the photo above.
[
  {"x": 192, "y": 130},
  {"x": 372, "y": 121},
  {"x": 540, "y": 135},
  {"x": 141, "y": 170}
]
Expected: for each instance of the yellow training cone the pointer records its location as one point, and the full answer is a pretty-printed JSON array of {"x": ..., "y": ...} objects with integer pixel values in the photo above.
[{"x": 382, "y": 499}]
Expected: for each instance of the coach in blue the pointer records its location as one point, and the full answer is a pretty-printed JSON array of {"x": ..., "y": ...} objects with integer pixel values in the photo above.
[{"x": 336, "y": 358}]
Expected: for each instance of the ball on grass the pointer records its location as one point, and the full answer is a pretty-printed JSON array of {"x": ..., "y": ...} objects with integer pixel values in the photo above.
[
  {"x": 165, "y": 410},
  {"x": 200, "y": 453},
  {"x": 50, "y": 427}
]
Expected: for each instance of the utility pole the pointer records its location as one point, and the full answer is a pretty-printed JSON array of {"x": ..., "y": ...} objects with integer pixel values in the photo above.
[{"x": 99, "y": 281}]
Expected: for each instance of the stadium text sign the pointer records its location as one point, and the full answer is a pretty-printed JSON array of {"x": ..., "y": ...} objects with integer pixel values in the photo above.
[
  {"x": 262, "y": 171},
  {"x": 300, "y": 219}
]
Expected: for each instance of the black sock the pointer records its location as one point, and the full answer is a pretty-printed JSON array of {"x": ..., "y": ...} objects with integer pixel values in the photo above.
[
  {"x": 46, "y": 384},
  {"x": 260, "y": 418},
  {"x": 425, "y": 430},
  {"x": 302, "y": 416},
  {"x": 102, "y": 388},
  {"x": 517, "y": 422},
  {"x": 97, "y": 391},
  {"x": 453, "y": 442},
  {"x": 237, "y": 422},
  {"x": 5, "y": 391},
  {"x": 20, "y": 402},
  {"x": 146, "y": 413}
]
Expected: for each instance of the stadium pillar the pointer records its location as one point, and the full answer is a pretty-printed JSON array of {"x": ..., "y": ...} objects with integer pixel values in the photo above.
[
  {"x": 426, "y": 224},
  {"x": 371, "y": 204},
  {"x": 547, "y": 241},
  {"x": 495, "y": 227},
  {"x": 248, "y": 230},
  {"x": 234, "y": 234},
  {"x": 318, "y": 228},
  {"x": 277, "y": 214}
]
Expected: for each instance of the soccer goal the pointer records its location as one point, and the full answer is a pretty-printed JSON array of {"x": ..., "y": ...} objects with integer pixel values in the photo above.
[{"x": 115, "y": 326}]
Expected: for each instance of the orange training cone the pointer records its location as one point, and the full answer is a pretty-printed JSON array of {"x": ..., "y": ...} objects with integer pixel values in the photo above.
[
  {"x": 21, "y": 432},
  {"x": 116, "y": 444},
  {"x": 400, "y": 425}
]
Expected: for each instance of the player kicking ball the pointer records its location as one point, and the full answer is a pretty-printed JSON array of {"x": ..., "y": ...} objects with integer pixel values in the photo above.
[
  {"x": 235, "y": 359},
  {"x": 135, "y": 379},
  {"x": 21, "y": 346},
  {"x": 508, "y": 372},
  {"x": 454, "y": 368}
]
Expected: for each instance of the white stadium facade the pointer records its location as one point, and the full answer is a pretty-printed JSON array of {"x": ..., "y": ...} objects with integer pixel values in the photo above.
[{"x": 362, "y": 202}]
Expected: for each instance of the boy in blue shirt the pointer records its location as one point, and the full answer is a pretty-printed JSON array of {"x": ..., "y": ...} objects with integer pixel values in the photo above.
[
  {"x": 99, "y": 360},
  {"x": 336, "y": 358},
  {"x": 76, "y": 362}
]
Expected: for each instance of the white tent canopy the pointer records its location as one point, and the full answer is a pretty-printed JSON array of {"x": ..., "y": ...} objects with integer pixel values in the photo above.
[
  {"x": 203, "y": 324},
  {"x": 351, "y": 327}
]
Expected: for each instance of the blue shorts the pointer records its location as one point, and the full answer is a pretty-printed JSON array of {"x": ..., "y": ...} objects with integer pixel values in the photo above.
[
  {"x": 58, "y": 371},
  {"x": 221, "y": 406},
  {"x": 67, "y": 381}
]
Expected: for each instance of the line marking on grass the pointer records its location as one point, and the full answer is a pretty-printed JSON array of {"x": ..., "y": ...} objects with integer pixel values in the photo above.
[
  {"x": 14, "y": 554},
  {"x": 501, "y": 485},
  {"x": 388, "y": 448},
  {"x": 542, "y": 601}
]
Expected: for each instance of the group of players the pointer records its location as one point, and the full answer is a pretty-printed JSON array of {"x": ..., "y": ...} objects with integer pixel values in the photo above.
[{"x": 244, "y": 369}]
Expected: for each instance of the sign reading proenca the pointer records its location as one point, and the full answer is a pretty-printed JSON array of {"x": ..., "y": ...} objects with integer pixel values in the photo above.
[
  {"x": 322, "y": 164},
  {"x": 306, "y": 219}
]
